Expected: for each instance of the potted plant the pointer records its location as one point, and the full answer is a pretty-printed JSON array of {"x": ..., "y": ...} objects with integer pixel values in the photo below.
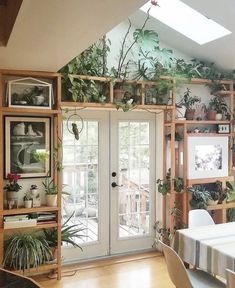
[
  {"x": 200, "y": 197},
  {"x": 214, "y": 197},
  {"x": 25, "y": 251},
  {"x": 188, "y": 102},
  {"x": 51, "y": 192},
  {"x": 178, "y": 138},
  {"x": 12, "y": 188},
  {"x": 68, "y": 235},
  {"x": 164, "y": 186},
  {"x": 216, "y": 108},
  {"x": 28, "y": 200},
  {"x": 160, "y": 93}
]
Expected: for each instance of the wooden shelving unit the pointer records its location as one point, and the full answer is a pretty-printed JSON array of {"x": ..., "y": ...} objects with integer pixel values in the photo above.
[
  {"x": 171, "y": 156},
  {"x": 54, "y": 115}
]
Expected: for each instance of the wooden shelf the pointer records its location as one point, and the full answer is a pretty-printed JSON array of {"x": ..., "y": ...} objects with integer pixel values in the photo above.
[
  {"x": 31, "y": 111},
  {"x": 29, "y": 210},
  {"x": 207, "y": 134},
  {"x": 221, "y": 206},
  {"x": 208, "y": 180},
  {"x": 37, "y": 270},
  {"x": 26, "y": 73},
  {"x": 201, "y": 122},
  {"x": 67, "y": 104},
  {"x": 38, "y": 226}
]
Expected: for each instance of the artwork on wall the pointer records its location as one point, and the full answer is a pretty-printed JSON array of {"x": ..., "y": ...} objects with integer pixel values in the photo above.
[
  {"x": 207, "y": 157},
  {"x": 27, "y": 146},
  {"x": 29, "y": 93}
]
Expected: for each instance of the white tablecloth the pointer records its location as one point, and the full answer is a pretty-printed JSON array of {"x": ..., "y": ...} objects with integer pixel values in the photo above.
[{"x": 211, "y": 248}]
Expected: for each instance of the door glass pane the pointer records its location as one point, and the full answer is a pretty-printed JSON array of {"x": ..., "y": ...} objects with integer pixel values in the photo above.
[
  {"x": 80, "y": 176},
  {"x": 134, "y": 177}
]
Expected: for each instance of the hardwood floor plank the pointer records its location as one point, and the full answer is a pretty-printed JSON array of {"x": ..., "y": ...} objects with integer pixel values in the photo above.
[{"x": 144, "y": 272}]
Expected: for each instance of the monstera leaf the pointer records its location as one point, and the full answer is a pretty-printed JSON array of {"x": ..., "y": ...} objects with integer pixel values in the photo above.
[
  {"x": 146, "y": 38},
  {"x": 164, "y": 56}
]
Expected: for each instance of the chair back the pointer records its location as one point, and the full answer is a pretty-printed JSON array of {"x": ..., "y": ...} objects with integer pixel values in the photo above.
[
  {"x": 175, "y": 267},
  {"x": 199, "y": 217},
  {"x": 230, "y": 276}
]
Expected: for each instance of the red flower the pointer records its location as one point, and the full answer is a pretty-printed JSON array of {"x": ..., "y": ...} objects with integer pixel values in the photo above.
[{"x": 13, "y": 177}]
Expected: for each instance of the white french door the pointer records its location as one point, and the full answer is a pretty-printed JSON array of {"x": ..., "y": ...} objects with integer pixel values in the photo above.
[
  {"x": 133, "y": 171},
  {"x": 113, "y": 147}
]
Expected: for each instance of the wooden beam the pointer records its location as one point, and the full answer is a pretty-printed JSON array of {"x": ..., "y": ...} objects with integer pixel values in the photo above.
[{"x": 8, "y": 13}]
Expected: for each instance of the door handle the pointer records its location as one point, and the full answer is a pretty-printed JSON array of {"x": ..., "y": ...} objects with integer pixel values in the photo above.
[{"x": 114, "y": 184}]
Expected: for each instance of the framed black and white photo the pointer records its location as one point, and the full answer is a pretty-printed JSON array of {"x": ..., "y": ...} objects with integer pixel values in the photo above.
[
  {"x": 29, "y": 93},
  {"x": 27, "y": 146},
  {"x": 207, "y": 157}
]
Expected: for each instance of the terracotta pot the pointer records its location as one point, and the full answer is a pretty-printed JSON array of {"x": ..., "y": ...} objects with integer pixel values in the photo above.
[
  {"x": 190, "y": 114},
  {"x": 118, "y": 94},
  {"x": 211, "y": 115}
]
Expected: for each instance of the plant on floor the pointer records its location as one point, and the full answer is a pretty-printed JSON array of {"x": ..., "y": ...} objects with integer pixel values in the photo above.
[
  {"x": 25, "y": 251},
  {"x": 68, "y": 234},
  {"x": 164, "y": 186}
]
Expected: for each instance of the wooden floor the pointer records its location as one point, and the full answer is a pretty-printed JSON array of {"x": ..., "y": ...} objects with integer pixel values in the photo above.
[{"x": 140, "y": 271}]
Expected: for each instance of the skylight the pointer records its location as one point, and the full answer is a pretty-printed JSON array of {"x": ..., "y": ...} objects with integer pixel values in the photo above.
[{"x": 186, "y": 20}]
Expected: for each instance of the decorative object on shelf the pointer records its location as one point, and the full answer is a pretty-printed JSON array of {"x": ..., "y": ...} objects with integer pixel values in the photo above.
[
  {"x": 207, "y": 157},
  {"x": 28, "y": 200},
  {"x": 29, "y": 93},
  {"x": 188, "y": 102},
  {"x": 12, "y": 189},
  {"x": 35, "y": 196},
  {"x": 25, "y": 251},
  {"x": 27, "y": 146},
  {"x": 223, "y": 128},
  {"x": 75, "y": 124}
]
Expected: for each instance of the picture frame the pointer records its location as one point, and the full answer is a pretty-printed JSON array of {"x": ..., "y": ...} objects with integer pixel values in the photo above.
[
  {"x": 207, "y": 157},
  {"x": 223, "y": 128},
  {"x": 29, "y": 92},
  {"x": 27, "y": 146}
]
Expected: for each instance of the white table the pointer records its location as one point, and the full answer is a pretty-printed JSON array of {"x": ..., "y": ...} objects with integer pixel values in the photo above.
[{"x": 211, "y": 248}]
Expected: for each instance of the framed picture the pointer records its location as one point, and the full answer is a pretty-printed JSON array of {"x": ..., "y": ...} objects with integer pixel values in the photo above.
[
  {"x": 207, "y": 157},
  {"x": 29, "y": 93},
  {"x": 27, "y": 146}
]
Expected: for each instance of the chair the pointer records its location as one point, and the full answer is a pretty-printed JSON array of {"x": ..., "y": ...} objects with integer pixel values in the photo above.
[
  {"x": 230, "y": 276},
  {"x": 187, "y": 278},
  {"x": 199, "y": 217}
]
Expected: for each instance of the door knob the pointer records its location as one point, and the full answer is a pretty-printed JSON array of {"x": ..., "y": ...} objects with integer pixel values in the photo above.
[
  {"x": 114, "y": 174},
  {"x": 114, "y": 184}
]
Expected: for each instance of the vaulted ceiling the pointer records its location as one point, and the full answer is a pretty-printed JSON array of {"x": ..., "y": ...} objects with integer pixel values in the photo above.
[{"x": 49, "y": 33}]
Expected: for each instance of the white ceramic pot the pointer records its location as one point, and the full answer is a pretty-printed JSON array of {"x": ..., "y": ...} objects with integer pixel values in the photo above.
[
  {"x": 28, "y": 203},
  {"x": 34, "y": 192},
  {"x": 12, "y": 199},
  {"x": 180, "y": 113},
  {"x": 218, "y": 116},
  {"x": 51, "y": 200}
]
